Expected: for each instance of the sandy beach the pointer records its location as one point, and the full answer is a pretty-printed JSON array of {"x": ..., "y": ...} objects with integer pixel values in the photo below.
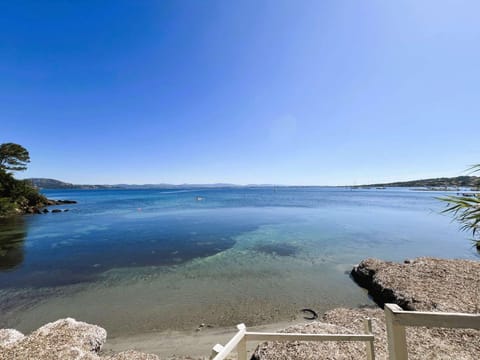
[{"x": 178, "y": 344}]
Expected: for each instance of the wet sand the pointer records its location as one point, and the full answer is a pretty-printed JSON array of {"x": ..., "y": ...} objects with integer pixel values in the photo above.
[{"x": 195, "y": 344}]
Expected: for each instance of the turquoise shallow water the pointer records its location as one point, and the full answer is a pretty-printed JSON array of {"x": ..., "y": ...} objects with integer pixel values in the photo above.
[{"x": 141, "y": 260}]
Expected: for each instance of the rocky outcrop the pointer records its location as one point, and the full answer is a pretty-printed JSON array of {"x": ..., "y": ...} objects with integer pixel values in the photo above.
[
  {"x": 63, "y": 339},
  {"x": 40, "y": 208},
  {"x": 60, "y": 202},
  {"x": 424, "y": 284},
  {"x": 365, "y": 276},
  {"x": 33, "y": 210}
]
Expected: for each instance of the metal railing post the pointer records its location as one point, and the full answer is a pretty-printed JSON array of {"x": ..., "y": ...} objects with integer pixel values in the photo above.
[{"x": 397, "y": 340}]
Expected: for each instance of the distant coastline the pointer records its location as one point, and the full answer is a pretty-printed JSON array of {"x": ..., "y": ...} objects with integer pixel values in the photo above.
[{"x": 435, "y": 184}]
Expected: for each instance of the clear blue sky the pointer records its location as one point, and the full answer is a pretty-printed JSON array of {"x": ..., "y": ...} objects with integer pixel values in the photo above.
[{"x": 286, "y": 92}]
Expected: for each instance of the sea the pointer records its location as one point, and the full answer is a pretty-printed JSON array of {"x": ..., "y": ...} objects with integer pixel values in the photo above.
[{"x": 142, "y": 260}]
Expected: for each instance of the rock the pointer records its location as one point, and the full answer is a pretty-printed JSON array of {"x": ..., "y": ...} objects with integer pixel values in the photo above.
[
  {"x": 365, "y": 276},
  {"x": 61, "y": 202},
  {"x": 45, "y": 211},
  {"x": 56, "y": 211},
  {"x": 66, "y": 210},
  {"x": 84, "y": 335},
  {"x": 9, "y": 336},
  {"x": 33, "y": 210},
  {"x": 62, "y": 339},
  {"x": 65, "y": 339},
  {"x": 424, "y": 284}
]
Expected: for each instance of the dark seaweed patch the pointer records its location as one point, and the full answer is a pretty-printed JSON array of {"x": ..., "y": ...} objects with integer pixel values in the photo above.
[{"x": 277, "y": 249}]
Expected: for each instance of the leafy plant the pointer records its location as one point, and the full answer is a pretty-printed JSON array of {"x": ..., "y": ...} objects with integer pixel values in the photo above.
[{"x": 466, "y": 210}]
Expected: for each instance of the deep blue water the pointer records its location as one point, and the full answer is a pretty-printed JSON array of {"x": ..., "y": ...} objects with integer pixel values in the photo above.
[
  {"x": 124, "y": 259},
  {"x": 134, "y": 228}
]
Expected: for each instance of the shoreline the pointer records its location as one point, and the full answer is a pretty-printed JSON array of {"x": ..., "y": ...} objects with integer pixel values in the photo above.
[
  {"x": 182, "y": 344},
  {"x": 431, "y": 284}
]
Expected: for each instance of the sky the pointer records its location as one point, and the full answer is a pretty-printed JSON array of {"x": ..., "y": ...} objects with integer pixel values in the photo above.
[{"x": 280, "y": 92}]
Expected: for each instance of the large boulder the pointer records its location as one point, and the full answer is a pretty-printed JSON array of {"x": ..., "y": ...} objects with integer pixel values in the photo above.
[
  {"x": 65, "y": 339},
  {"x": 62, "y": 339}
]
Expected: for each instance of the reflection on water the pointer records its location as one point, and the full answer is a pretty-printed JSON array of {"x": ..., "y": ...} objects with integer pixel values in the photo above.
[{"x": 12, "y": 237}]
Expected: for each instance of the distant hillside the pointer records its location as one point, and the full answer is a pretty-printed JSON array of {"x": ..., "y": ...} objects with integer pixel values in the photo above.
[
  {"x": 44, "y": 183},
  {"x": 459, "y": 181}
]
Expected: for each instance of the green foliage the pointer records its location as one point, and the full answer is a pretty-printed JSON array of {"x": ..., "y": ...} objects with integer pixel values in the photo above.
[
  {"x": 13, "y": 157},
  {"x": 16, "y": 195},
  {"x": 466, "y": 210},
  {"x": 7, "y": 207},
  {"x": 26, "y": 195}
]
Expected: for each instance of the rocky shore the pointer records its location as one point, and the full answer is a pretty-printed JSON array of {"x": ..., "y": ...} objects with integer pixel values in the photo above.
[
  {"x": 41, "y": 208},
  {"x": 63, "y": 339},
  {"x": 423, "y": 284}
]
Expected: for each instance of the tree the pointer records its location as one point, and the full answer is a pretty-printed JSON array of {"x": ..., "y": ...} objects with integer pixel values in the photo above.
[
  {"x": 466, "y": 210},
  {"x": 13, "y": 157},
  {"x": 16, "y": 196}
]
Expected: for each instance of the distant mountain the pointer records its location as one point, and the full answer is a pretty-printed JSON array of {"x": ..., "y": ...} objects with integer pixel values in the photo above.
[
  {"x": 44, "y": 183},
  {"x": 173, "y": 186},
  {"x": 459, "y": 181}
]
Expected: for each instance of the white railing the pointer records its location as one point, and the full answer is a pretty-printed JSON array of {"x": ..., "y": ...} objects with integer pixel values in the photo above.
[
  {"x": 397, "y": 319},
  {"x": 239, "y": 341}
]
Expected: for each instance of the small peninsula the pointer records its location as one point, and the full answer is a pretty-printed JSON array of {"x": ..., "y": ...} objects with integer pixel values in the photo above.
[{"x": 19, "y": 197}]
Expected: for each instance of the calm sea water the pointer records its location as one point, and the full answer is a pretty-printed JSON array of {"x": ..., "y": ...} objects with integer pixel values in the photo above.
[{"x": 142, "y": 260}]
